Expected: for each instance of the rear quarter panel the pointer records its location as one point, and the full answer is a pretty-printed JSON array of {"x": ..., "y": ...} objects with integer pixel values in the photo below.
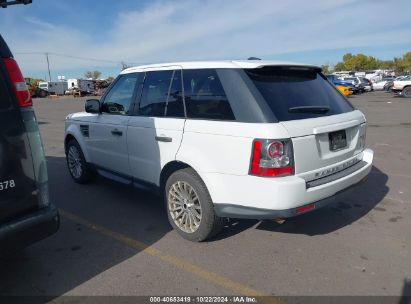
[{"x": 223, "y": 147}]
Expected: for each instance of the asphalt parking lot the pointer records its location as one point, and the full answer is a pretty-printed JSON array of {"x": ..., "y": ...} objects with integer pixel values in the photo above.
[{"x": 116, "y": 240}]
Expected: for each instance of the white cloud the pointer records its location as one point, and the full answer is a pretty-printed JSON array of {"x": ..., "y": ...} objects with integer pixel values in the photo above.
[{"x": 185, "y": 30}]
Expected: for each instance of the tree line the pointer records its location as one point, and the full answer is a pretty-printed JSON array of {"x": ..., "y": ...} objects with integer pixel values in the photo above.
[{"x": 361, "y": 62}]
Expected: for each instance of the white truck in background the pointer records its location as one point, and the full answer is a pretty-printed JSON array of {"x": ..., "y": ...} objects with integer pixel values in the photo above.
[
  {"x": 403, "y": 86},
  {"x": 85, "y": 86},
  {"x": 54, "y": 87}
]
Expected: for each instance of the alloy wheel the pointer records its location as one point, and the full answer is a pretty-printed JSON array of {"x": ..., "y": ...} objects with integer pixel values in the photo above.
[
  {"x": 184, "y": 206},
  {"x": 74, "y": 162}
]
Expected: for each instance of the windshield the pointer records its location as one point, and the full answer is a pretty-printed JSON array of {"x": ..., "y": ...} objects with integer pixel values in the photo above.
[
  {"x": 298, "y": 93},
  {"x": 43, "y": 85}
]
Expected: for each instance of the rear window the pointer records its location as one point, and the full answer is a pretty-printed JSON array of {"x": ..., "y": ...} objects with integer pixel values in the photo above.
[{"x": 294, "y": 93}]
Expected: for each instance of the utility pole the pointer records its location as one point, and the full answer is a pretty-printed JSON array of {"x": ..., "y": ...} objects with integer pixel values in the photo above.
[{"x": 48, "y": 65}]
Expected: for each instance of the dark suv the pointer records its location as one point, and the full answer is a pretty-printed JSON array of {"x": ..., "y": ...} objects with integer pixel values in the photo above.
[{"x": 26, "y": 214}]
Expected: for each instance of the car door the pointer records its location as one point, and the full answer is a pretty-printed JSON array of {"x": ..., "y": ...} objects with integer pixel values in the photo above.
[
  {"x": 155, "y": 132},
  {"x": 107, "y": 142}
]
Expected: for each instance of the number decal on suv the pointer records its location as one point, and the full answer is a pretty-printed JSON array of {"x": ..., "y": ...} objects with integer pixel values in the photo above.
[{"x": 7, "y": 185}]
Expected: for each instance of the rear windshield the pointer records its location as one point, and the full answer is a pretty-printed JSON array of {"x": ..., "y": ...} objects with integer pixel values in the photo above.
[{"x": 298, "y": 93}]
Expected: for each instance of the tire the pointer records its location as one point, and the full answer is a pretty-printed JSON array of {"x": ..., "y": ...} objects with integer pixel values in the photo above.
[
  {"x": 193, "y": 205},
  {"x": 406, "y": 92},
  {"x": 79, "y": 169}
]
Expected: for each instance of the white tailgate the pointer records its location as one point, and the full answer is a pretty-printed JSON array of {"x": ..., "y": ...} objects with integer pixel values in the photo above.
[{"x": 311, "y": 139}]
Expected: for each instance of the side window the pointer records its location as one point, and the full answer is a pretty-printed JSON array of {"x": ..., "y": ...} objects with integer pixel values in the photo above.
[
  {"x": 119, "y": 99},
  {"x": 156, "y": 101},
  {"x": 205, "y": 97},
  {"x": 175, "y": 103}
]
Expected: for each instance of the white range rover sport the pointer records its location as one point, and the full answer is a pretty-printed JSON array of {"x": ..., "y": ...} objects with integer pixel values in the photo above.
[{"x": 224, "y": 139}]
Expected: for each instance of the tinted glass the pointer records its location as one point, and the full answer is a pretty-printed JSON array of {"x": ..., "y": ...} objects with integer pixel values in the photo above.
[
  {"x": 155, "y": 92},
  {"x": 284, "y": 88},
  {"x": 205, "y": 97},
  {"x": 120, "y": 97},
  {"x": 175, "y": 104}
]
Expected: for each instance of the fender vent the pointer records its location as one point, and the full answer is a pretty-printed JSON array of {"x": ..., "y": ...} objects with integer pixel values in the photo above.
[{"x": 84, "y": 129}]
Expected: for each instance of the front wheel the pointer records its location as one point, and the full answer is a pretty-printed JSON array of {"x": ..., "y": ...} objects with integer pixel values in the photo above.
[
  {"x": 79, "y": 169},
  {"x": 190, "y": 209}
]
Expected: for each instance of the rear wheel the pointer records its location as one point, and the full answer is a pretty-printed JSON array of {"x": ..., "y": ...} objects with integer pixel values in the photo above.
[
  {"x": 406, "y": 92},
  {"x": 79, "y": 169},
  {"x": 190, "y": 209}
]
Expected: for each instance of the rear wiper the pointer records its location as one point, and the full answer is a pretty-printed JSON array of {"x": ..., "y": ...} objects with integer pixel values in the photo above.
[{"x": 309, "y": 109}]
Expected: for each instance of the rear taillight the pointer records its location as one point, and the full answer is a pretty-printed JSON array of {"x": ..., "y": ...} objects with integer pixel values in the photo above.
[
  {"x": 20, "y": 87},
  {"x": 272, "y": 158}
]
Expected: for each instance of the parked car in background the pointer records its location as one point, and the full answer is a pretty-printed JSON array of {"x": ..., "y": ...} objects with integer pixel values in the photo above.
[
  {"x": 356, "y": 82},
  {"x": 390, "y": 83},
  {"x": 337, "y": 81},
  {"x": 26, "y": 213},
  {"x": 222, "y": 139},
  {"x": 379, "y": 85},
  {"x": 368, "y": 86},
  {"x": 345, "y": 90},
  {"x": 402, "y": 87}
]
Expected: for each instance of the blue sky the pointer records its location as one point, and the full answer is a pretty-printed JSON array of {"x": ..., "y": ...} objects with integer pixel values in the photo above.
[{"x": 99, "y": 34}]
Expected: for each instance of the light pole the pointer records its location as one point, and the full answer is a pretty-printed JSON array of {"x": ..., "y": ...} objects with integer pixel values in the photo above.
[{"x": 48, "y": 65}]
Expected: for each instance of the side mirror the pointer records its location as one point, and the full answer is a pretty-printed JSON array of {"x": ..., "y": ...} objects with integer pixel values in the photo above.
[{"x": 92, "y": 106}]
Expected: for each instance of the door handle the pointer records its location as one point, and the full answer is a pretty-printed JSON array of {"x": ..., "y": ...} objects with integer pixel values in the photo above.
[
  {"x": 116, "y": 132},
  {"x": 164, "y": 138}
]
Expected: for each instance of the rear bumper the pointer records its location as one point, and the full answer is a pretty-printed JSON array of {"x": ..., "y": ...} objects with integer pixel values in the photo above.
[
  {"x": 237, "y": 211},
  {"x": 24, "y": 231},
  {"x": 260, "y": 198}
]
